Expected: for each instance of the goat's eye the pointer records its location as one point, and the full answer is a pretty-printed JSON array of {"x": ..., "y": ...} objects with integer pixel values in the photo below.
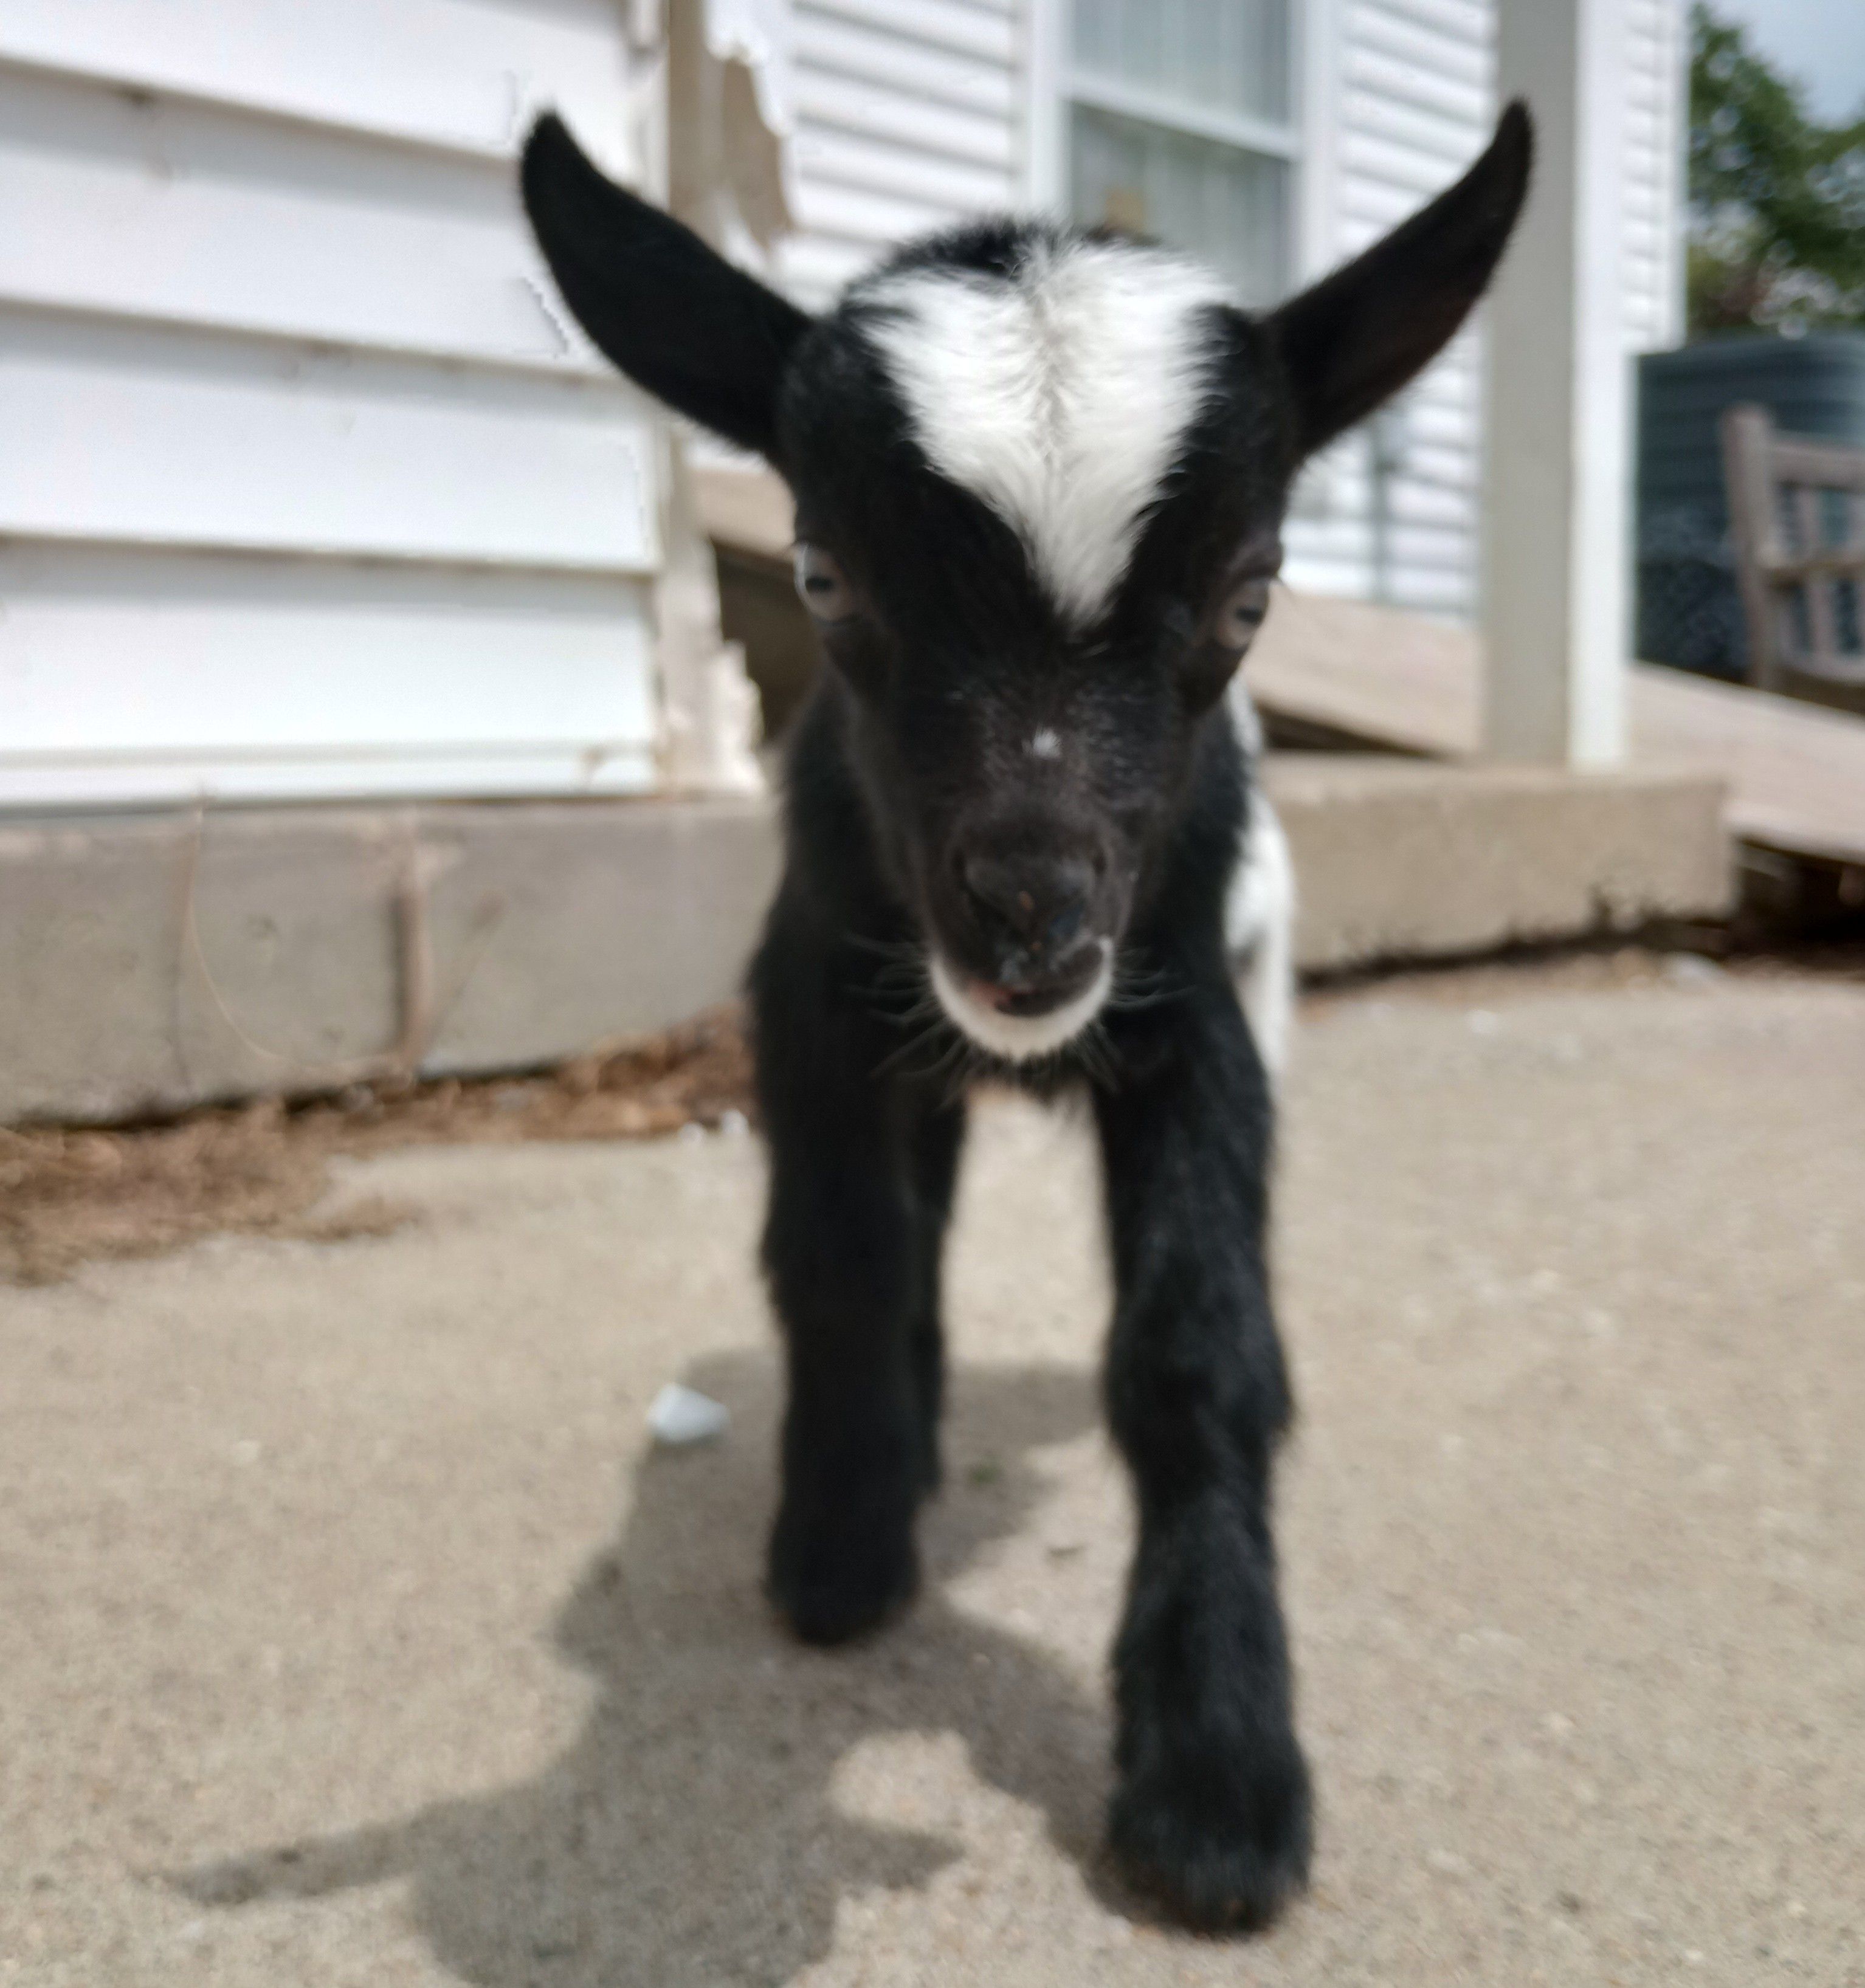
[
  {"x": 1241, "y": 614},
  {"x": 821, "y": 585}
]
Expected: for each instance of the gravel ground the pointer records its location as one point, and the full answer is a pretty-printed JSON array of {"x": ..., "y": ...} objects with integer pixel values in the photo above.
[{"x": 351, "y": 1631}]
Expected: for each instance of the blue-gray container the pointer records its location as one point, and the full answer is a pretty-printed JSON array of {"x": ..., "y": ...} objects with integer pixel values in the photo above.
[{"x": 1689, "y": 613}]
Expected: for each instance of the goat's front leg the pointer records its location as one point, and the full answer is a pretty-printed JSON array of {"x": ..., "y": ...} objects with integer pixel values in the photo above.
[
  {"x": 859, "y": 1186},
  {"x": 1211, "y": 1807}
]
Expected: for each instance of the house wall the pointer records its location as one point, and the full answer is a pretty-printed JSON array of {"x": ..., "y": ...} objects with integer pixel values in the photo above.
[
  {"x": 1392, "y": 512},
  {"x": 913, "y": 113},
  {"x": 910, "y": 114},
  {"x": 307, "y": 489}
]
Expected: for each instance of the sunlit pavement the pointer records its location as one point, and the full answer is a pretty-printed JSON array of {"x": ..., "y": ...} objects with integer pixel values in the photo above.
[{"x": 351, "y": 1631}]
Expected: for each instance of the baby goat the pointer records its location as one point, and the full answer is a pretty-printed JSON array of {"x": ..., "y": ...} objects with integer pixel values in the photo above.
[{"x": 1039, "y": 477}]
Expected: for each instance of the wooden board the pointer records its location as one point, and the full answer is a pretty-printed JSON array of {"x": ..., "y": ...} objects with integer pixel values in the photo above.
[
  {"x": 1401, "y": 680},
  {"x": 1796, "y": 773},
  {"x": 1409, "y": 684}
]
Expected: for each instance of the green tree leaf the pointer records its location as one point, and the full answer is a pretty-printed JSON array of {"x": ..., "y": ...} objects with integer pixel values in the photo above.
[{"x": 1777, "y": 200}]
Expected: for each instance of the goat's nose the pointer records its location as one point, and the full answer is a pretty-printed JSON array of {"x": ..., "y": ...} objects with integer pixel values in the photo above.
[{"x": 1041, "y": 900}]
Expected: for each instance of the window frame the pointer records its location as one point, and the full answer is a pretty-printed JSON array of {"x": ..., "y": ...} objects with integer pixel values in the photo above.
[{"x": 1302, "y": 142}]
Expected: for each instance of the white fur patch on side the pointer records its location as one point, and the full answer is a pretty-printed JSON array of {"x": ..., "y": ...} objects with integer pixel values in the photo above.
[
  {"x": 1020, "y": 1038},
  {"x": 1060, "y": 396},
  {"x": 1260, "y": 913}
]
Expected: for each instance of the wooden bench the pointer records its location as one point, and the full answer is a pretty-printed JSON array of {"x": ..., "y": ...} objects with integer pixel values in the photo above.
[{"x": 1797, "y": 519}]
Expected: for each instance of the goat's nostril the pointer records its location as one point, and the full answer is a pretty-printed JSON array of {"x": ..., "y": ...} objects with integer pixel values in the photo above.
[{"x": 1041, "y": 903}]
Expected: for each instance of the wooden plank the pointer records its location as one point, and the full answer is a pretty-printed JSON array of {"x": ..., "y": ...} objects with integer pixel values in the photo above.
[
  {"x": 1796, "y": 772},
  {"x": 1832, "y": 465},
  {"x": 1817, "y": 588},
  {"x": 1762, "y": 470},
  {"x": 1398, "y": 679},
  {"x": 749, "y": 509},
  {"x": 460, "y": 74},
  {"x": 1747, "y": 439},
  {"x": 119, "y": 432},
  {"x": 161, "y": 208},
  {"x": 130, "y": 675}
]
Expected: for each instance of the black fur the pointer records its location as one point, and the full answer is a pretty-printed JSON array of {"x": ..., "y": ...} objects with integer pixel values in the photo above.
[
  {"x": 617, "y": 262},
  {"x": 1355, "y": 338},
  {"x": 911, "y": 794}
]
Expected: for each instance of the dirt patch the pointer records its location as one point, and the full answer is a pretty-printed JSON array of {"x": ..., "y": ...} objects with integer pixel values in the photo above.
[
  {"x": 70, "y": 1196},
  {"x": 1588, "y": 968}
]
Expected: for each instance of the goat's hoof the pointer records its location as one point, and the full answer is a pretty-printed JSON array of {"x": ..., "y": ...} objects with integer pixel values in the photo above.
[
  {"x": 1220, "y": 1853},
  {"x": 832, "y": 1583}
]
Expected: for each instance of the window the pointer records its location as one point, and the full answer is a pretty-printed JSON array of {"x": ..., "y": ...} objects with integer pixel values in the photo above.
[{"x": 1180, "y": 125}]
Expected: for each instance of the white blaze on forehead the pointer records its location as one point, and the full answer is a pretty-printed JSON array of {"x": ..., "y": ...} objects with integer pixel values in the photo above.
[{"x": 1060, "y": 395}]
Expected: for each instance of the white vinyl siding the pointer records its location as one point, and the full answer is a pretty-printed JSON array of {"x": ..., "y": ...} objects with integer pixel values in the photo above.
[
  {"x": 1392, "y": 512},
  {"x": 307, "y": 488},
  {"x": 477, "y": 679},
  {"x": 1657, "y": 67},
  {"x": 908, "y": 118},
  {"x": 1179, "y": 126}
]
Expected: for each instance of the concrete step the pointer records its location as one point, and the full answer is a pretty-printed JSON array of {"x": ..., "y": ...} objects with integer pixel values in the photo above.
[
  {"x": 1401, "y": 859},
  {"x": 151, "y": 962}
]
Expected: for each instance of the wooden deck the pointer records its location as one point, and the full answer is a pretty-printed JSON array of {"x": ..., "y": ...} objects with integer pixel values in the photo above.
[
  {"x": 1348, "y": 672},
  {"x": 1795, "y": 773}
]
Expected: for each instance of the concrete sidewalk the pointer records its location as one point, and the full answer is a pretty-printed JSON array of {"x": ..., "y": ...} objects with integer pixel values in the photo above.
[{"x": 350, "y": 1633}]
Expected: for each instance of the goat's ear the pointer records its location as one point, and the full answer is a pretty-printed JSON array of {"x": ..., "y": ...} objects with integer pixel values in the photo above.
[
  {"x": 1359, "y": 335},
  {"x": 678, "y": 319}
]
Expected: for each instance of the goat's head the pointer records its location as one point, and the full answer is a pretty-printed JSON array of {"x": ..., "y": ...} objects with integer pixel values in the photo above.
[{"x": 1040, "y": 478}]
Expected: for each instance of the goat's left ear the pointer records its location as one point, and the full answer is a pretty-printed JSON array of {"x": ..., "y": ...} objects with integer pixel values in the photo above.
[
  {"x": 677, "y": 318},
  {"x": 1355, "y": 338}
]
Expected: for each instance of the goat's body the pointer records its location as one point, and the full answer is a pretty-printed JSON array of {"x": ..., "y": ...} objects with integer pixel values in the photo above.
[
  {"x": 1260, "y": 906},
  {"x": 862, "y": 1081},
  {"x": 1040, "y": 476}
]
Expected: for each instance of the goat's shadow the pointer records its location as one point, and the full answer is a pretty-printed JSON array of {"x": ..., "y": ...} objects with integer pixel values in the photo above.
[{"x": 689, "y": 1834}]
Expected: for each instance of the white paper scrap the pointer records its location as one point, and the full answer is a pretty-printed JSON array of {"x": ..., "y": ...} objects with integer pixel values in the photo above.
[{"x": 682, "y": 1415}]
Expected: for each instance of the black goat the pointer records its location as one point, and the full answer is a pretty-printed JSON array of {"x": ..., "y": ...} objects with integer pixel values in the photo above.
[{"x": 1040, "y": 478}]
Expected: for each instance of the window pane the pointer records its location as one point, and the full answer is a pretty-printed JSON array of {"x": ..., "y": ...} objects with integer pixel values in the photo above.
[
  {"x": 1228, "y": 207},
  {"x": 1225, "y": 55}
]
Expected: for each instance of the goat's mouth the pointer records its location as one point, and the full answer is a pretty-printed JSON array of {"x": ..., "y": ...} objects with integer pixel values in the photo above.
[{"x": 1022, "y": 1024}]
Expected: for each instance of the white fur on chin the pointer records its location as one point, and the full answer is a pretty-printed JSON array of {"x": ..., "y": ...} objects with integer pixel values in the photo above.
[{"x": 1020, "y": 1038}]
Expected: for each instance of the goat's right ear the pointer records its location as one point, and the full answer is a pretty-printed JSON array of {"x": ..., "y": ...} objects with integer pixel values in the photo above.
[
  {"x": 677, "y": 318},
  {"x": 1356, "y": 338}
]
